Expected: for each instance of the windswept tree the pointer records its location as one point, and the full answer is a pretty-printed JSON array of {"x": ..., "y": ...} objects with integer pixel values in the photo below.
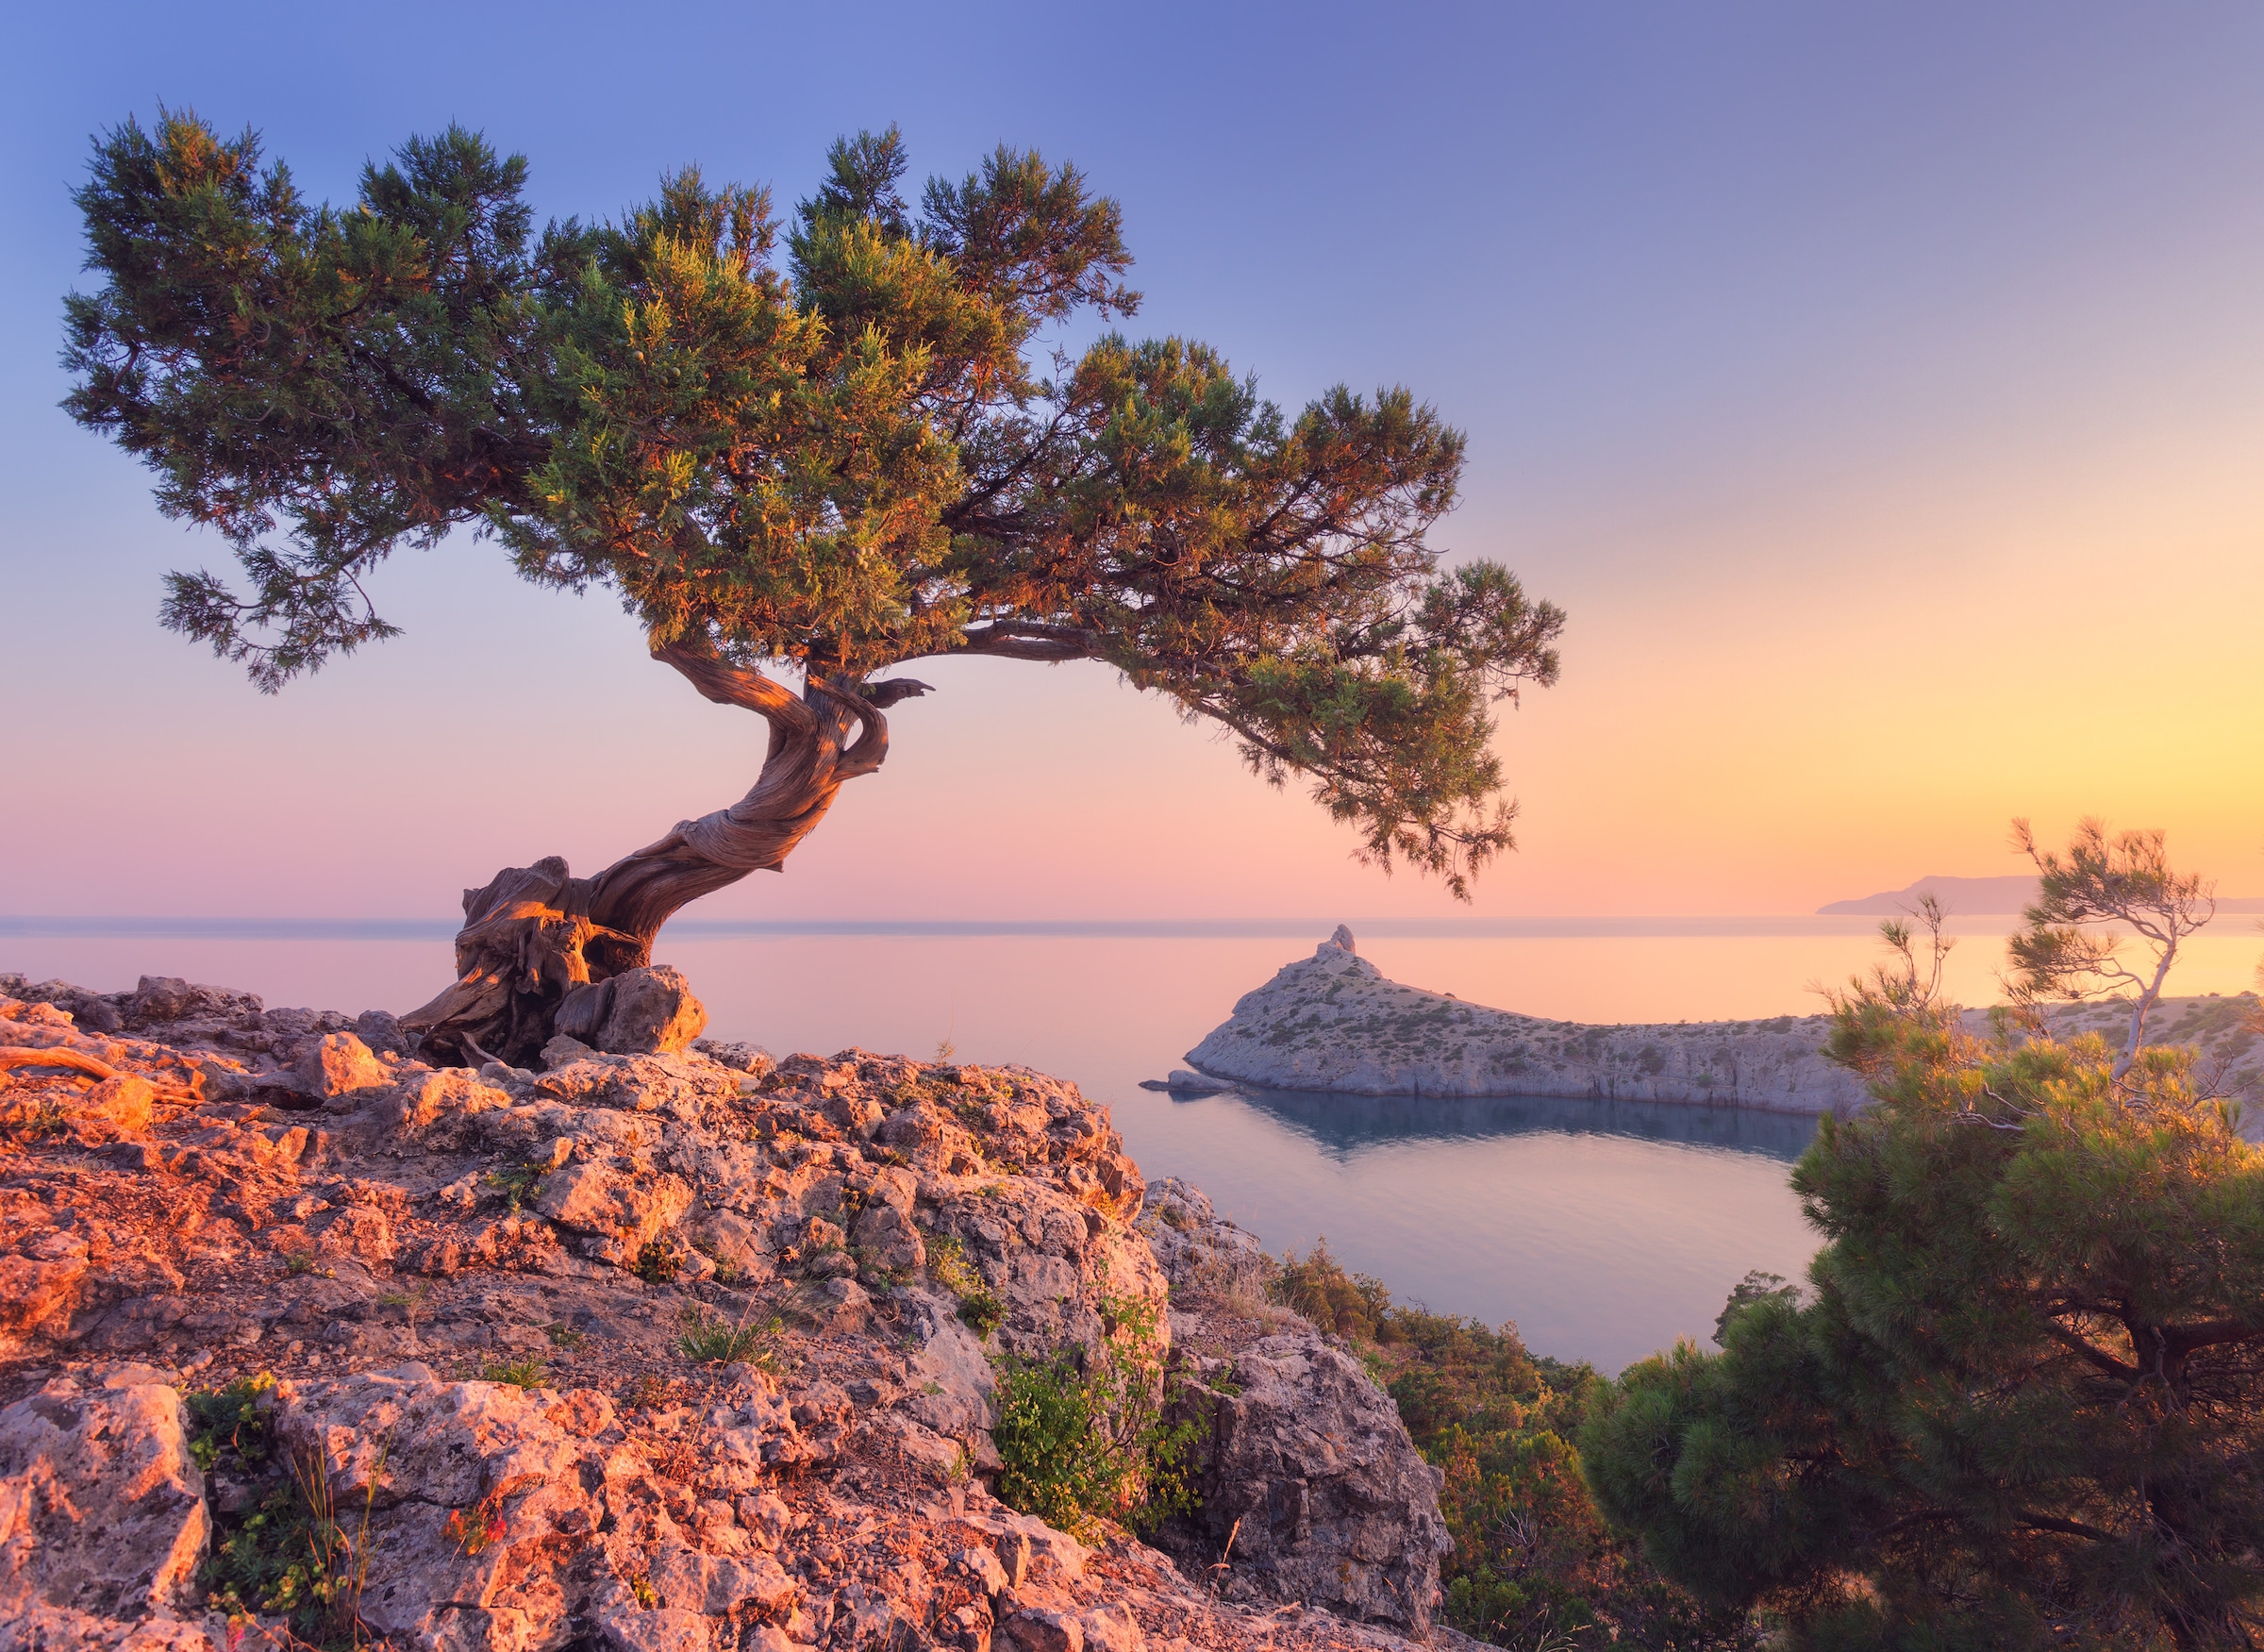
[
  {"x": 2122, "y": 880},
  {"x": 796, "y": 471}
]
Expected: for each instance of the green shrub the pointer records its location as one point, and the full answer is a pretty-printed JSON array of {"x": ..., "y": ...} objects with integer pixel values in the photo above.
[
  {"x": 524, "y": 1372},
  {"x": 710, "y": 1340},
  {"x": 658, "y": 1264},
  {"x": 1354, "y": 1305},
  {"x": 982, "y": 1312},
  {"x": 231, "y": 1422},
  {"x": 1081, "y": 1435},
  {"x": 948, "y": 1267},
  {"x": 1534, "y": 1566},
  {"x": 517, "y": 1183},
  {"x": 292, "y": 1557}
]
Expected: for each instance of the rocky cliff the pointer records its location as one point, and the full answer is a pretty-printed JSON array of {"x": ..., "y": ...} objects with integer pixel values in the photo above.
[
  {"x": 1332, "y": 1022},
  {"x": 661, "y": 1348}
]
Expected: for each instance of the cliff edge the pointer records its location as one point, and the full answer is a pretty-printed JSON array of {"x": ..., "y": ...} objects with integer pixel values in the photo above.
[{"x": 661, "y": 1348}]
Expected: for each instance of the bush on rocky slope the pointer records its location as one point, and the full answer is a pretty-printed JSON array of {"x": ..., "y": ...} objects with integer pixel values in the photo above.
[{"x": 1533, "y": 1562}]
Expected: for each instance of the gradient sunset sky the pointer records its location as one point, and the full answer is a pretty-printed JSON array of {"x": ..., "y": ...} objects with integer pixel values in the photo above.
[{"x": 1879, "y": 388}]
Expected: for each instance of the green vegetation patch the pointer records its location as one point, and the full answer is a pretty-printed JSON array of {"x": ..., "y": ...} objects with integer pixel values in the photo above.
[
  {"x": 1534, "y": 1563},
  {"x": 1082, "y": 1437}
]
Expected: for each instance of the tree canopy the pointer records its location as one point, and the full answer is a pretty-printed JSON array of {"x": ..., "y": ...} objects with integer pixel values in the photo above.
[
  {"x": 828, "y": 445},
  {"x": 2025, "y": 1406}
]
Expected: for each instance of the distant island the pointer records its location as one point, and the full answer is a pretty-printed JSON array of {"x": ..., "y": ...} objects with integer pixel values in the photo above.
[
  {"x": 1977, "y": 897},
  {"x": 1333, "y": 1022}
]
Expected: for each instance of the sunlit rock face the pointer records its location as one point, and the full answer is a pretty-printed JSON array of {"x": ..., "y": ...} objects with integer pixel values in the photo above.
[{"x": 671, "y": 1347}]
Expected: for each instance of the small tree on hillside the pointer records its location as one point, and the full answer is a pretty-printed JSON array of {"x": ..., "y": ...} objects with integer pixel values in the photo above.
[
  {"x": 2025, "y": 1405},
  {"x": 2125, "y": 879},
  {"x": 814, "y": 472}
]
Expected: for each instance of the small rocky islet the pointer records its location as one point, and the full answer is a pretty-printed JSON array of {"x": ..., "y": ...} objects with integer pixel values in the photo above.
[
  {"x": 1333, "y": 1023},
  {"x": 663, "y": 1347}
]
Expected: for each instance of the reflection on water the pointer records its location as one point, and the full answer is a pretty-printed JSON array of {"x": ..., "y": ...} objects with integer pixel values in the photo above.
[
  {"x": 1605, "y": 1229},
  {"x": 1342, "y": 1125}
]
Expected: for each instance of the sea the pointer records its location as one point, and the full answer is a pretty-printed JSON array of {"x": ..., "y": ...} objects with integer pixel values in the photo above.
[{"x": 1605, "y": 1231}]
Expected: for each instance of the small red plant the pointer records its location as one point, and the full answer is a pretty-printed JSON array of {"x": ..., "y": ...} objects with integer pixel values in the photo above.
[{"x": 478, "y": 1528}]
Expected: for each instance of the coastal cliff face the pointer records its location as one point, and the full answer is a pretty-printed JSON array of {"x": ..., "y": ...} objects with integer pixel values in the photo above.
[
  {"x": 490, "y": 1316},
  {"x": 1332, "y": 1022}
]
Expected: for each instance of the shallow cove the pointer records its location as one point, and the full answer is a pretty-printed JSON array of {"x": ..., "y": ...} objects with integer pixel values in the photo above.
[{"x": 1605, "y": 1229}]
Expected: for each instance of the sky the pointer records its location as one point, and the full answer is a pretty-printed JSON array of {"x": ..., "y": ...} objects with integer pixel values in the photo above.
[{"x": 1879, "y": 389}]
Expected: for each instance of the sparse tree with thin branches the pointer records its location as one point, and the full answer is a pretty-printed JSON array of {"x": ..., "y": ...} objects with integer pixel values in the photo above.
[{"x": 2124, "y": 879}]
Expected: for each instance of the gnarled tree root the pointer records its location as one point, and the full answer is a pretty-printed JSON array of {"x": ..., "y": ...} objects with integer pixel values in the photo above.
[{"x": 90, "y": 1067}]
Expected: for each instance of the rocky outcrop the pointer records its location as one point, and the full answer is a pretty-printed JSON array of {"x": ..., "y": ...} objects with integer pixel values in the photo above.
[
  {"x": 654, "y": 1350},
  {"x": 1333, "y": 1023},
  {"x": 1309, "y": 1485},
  {"x": 103, "y": 1522}
]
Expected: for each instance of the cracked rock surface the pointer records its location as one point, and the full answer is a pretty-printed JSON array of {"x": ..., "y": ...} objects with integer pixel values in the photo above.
[{"x": 669, "y": 1349}]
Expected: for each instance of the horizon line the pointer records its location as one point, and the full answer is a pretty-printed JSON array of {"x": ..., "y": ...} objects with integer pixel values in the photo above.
[{"x": 1531, "y": 926}]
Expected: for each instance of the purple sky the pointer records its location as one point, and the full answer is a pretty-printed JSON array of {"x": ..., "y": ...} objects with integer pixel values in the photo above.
[{"x": 1880, "y": 388}]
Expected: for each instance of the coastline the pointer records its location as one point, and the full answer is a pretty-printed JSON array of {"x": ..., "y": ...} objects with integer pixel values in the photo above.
[{"x": 1333, "y": 1023}]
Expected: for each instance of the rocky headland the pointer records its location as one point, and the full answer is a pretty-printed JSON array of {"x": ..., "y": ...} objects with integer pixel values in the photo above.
[
  {"x": 660, "y": 1346},
  {"x": 1333, "y": 1023}
]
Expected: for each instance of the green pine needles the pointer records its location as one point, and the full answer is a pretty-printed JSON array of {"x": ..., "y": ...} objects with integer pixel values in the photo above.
[
  {"x": 2024, "y": 1404},
  {"x": 832, "y": 445}
]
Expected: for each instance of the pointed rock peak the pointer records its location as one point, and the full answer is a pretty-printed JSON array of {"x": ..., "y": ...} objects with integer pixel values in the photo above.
[{"x": 1342, "y": 939}]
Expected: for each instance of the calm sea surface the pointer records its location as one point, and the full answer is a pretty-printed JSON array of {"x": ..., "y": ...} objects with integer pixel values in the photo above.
[{"x": 1603, "y": 1231}]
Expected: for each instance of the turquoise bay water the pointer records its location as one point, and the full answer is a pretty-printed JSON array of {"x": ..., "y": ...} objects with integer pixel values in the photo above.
[{"x": 1603, "y": 1231}]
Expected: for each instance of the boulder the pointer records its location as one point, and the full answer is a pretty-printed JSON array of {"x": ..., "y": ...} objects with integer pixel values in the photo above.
[
  {"x": 1184, "y": 1082},
  {"x": 424, "y": 1099},
  {"x": 123, "y": 1103},
  {"x": 1310, "y": 1469},
  {"x": 639, "y": 1013},
  {"x": 41, "y": 1281},
  {"x": 618, "y": 1214},
  {"x": 102, "y": 1511},
  {"x": 1198, "y": 1249},
  {"x": 163, "y": 999},
  {"x": 340, "y": 1064}
]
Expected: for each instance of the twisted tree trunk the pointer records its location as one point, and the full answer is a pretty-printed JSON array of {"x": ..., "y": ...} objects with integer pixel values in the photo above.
[{"x": 535, "y": 934}]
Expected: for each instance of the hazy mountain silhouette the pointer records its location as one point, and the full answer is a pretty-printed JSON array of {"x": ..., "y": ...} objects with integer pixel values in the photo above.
[{"x": 1977, "y": 897}]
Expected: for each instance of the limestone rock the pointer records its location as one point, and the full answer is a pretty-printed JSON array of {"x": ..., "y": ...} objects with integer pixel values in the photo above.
[
  {"x": 1183, "y": 1082},
  {"x": 887, "y": 1233},
  {"x": 1196, "y": 1248},
  {"x": 620, "y": 1213},
  {"x": 1336, "y": 1507},
  {"x": 102, "y": 1512},
  {"x": 340, "y": 1064},
  {"x": 1332, "y": 1022},
  {"x": 123, "y": 1103},
  {"x": 423, "y": 1099},
  {"x": 826, "y": 1485},
  {"x": 41, "y": 1278},
  {"x": 639, "y": 1013}
]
